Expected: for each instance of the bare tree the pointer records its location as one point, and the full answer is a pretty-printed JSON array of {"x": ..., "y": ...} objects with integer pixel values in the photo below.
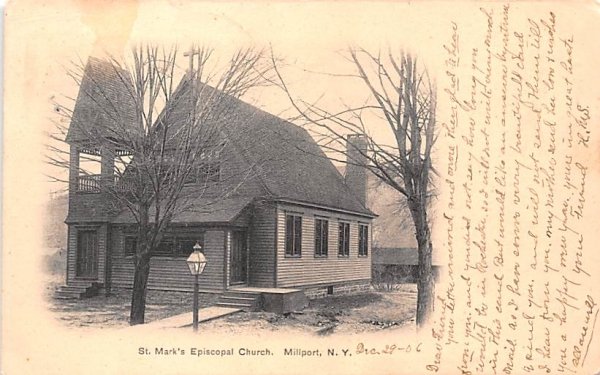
[
  {"x": 155, "y": 136},
  {"x": 402, "y": 98}
]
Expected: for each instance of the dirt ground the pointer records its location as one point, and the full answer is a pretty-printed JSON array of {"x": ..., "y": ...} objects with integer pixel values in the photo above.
[
  {"x": 365, "y": 312},
  {"x": 357, "y": 313},
  {"x": 113, "y": 310}
]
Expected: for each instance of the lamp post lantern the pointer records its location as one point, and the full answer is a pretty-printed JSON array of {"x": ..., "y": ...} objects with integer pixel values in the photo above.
[{"x": 196, "y": 262}]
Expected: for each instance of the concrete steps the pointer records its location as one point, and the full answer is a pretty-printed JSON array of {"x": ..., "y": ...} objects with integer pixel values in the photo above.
[
  {"x": 77, "y": 290},
  {"x": 247, "y": 301}
]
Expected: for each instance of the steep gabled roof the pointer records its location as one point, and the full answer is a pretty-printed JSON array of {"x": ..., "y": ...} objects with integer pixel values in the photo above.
[
  {"x": 294, "y": 166},
  {"x": 291, "y": 164},
  {"x": 104, "y": 102}
]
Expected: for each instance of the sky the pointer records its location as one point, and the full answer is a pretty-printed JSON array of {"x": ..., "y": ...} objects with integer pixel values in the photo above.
[
  {"x": 310, "y": 39},
  {"x": 43, "y": 37}
]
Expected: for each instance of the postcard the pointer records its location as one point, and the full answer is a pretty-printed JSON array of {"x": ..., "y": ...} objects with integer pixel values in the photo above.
[{"x": 300, "y": 187}]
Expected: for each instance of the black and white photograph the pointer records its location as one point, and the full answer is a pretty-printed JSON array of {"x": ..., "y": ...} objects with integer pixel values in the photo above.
[{"x": 300, "y": 187}]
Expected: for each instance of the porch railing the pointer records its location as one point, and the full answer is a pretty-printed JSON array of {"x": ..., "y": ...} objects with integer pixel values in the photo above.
[
  {"x": 123, "y": 184},
  {"x": 89, "y": 183}
]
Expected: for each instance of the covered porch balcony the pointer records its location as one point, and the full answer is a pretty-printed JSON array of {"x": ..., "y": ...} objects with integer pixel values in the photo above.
[{"x": 92, "y": 183}]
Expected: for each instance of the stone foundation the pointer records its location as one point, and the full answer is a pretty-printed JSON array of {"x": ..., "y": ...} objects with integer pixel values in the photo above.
[{"x": 337, "y": 289}]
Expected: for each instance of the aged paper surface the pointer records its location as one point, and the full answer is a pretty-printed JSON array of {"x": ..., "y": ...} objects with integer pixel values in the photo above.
[{"x": 518, "y": 156}]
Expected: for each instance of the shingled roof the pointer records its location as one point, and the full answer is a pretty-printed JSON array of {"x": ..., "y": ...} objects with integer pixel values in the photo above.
[
  {"x": 102, "y": 85},
  {"x": 202, "y": 210},
  {"x": 292, "y": 166}
]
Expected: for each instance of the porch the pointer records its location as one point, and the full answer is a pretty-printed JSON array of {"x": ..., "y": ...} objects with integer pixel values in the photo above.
[{"x": 276, "y": 300}]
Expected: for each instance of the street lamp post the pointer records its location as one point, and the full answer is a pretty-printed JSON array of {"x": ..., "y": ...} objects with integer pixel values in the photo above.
[{"x": 196, "y": 262}]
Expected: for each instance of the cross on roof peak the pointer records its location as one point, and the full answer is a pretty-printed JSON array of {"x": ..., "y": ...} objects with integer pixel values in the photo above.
[{"x": 194, "y": 50}]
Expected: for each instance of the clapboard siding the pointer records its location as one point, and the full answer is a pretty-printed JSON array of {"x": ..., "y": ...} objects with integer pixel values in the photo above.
[
  {"x": 71, "y": 253},
  {"x": 171, "y": 273},
  {"x": 311, "y": 270},
  {"x": 102, "y": 248},
  {"x": 227, "y": 258},
  {"x": 261, "y": 246}
]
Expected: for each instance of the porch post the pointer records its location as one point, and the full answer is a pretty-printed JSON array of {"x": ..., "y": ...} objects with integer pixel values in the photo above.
[
  {"x": 73, "y": 168},
  {"x": 107, "y": 166}
]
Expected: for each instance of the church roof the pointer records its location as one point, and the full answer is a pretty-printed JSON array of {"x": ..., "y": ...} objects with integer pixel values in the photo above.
[
  {"x": 292, "y": 166},
  {"x": 103, "y": 84},
  {"x": 202, "y": 210}
]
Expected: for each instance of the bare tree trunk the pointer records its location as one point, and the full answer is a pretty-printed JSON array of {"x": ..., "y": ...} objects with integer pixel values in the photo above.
[
  {"x": 142, "y": 272},
  {"x": 138, "y": 295},
  {"x": 425, "y": 282}
]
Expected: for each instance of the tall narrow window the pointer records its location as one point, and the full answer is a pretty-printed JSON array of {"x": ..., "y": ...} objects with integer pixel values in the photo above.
[
  {"x": 293, "y": 235},
  {"x": 344, "y": 240},
  {"x": 363, "y": 240},
  {"x": 130, "y": 245},
  {"x": 321, "y": 237}
]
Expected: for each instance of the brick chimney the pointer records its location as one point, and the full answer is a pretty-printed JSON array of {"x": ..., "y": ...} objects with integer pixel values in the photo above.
[{"x": 356, "y": 174}]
